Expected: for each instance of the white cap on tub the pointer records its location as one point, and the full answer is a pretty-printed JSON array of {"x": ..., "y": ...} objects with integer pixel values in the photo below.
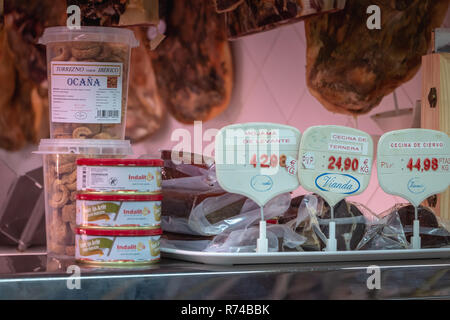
[
  {"x": 89, "y": 33},
  {"x": 85, "y": 146}
]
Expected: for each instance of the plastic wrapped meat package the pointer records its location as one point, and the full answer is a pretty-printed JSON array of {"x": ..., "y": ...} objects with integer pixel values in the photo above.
[
  {"x": 301, "y": 217},
  {"x": 358, "y": 228},
  {"x": 194, "y": 203},
  {"x": 310, "y": 216},
  {"x": 198, "y": 215},
  {"x": 395, "y": 228},
  {"x": 385, "y": 234},
  {"x": 244, "y": 240},
  {"x": 229, "y": 212}
]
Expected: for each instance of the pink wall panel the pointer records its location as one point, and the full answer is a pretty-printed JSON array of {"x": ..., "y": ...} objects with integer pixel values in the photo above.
[{"x": 270, "y": 86}]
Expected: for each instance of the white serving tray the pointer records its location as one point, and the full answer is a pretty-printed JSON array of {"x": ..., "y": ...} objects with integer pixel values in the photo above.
[{"x": 303, "y": 257}]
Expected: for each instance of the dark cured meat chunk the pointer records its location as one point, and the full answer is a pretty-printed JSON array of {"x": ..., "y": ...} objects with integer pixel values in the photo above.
[
  {"x": 428, "y": 224},
  {"x": 179, "y": 203},
  {"x": 227, "y": 5},
  {"x": 252, "y": 16},
  {"x": 25, "y": 22},
  {"x": 233, "y": 209},
  {"x": 169, "y": 170},
  {"x": 292, "y": 211},
  {"x": 23, "y": 70},
  {"x": 356, "y": 230},
  {"x": 145, "y": 110},
  {"x": 100, "y": 12},
  {"x": 315, "y": 241}
]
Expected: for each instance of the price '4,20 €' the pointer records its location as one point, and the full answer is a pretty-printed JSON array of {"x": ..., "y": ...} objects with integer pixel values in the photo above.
[{"x": 258, "y": 160}]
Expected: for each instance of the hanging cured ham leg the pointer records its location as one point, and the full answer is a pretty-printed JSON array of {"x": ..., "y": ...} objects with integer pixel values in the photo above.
[
  {"x": 193, "y": 65},
  {"x": 145, "y": 110},
  {"x": 351, "y": 68}
]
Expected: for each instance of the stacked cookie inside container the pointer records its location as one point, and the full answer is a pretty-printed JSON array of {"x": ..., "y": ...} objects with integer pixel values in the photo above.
[{"x": 89, "y": 217}]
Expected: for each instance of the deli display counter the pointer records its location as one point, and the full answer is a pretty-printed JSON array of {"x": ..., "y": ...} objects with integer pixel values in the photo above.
[{"x": 32, "y": 277}]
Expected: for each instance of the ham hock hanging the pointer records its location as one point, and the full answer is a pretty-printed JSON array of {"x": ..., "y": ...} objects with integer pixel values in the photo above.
[{"x": 350, "y": 68}]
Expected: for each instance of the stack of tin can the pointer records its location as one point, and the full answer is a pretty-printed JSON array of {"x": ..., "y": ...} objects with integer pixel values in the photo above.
[{"x": 118, "y": 211}]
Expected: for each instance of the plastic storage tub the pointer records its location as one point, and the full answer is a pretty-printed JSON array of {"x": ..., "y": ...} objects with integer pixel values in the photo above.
[
  {"x": 121, "y": 247},
  {"x": 88, "y": 73},
  {"x": 60, "y": 175},
  {"x": 120, "y": 175},
  {"x": 118, "y": 210}
]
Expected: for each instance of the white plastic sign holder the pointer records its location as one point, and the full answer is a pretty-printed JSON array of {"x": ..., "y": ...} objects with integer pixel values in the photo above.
[
  {"x": 335, "y": 162},
  {"x": 414, "y": 164},
  {"x": 259, "y": 161}
]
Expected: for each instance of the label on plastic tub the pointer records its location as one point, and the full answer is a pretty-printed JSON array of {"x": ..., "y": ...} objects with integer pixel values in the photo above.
[
  {"x": 258, "y": 160},
  {"x": 86, "y": 92},
  {"x": 414, "y": 163},
  {"x": 118, "y": 178},
  {"x": 335, "y": 161}
]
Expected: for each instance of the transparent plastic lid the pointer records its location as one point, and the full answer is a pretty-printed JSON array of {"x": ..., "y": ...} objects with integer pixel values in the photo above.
[
  {"x": 102, "y": 34},
  {"x": 85, "y": 146}
]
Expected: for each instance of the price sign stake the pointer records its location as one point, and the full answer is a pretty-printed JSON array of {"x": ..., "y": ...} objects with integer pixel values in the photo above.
[
  {"x": 259, "y": 161},
  {"x": 414, "y": 164},
  {"x": 335, "y": 162}
]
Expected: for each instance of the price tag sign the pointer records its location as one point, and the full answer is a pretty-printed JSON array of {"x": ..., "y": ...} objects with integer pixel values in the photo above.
[
  {"x": 258, "y": 160},
  {"x": 335, "y": 161},
  {"x": 414, "y": 163}
]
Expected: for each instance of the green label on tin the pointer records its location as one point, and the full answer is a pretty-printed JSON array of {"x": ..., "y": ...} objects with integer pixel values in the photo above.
[
  {"x": 101, "y": 211},
  {"x": 94, "y": 246}
]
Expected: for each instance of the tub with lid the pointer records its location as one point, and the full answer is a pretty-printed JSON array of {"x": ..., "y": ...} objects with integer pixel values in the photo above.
[
  {"x": 118, "y": 210},
  {"x": 118, "y": 246},
  {"x": 60, "y": 184},
  {"x": 88, "y": 73},
  {"x": 119, "y": 175}
]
